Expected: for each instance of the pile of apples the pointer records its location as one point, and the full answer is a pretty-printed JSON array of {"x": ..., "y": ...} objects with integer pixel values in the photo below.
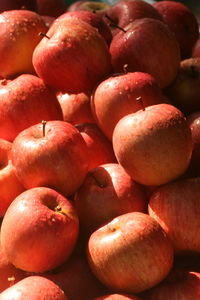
[{"x": 99, "y": 151}]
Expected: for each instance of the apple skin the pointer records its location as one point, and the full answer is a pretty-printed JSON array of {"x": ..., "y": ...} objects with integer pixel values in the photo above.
[
  {"x": 19, "y": 35},
  {"x": 196, "y": 48},
  {"x": 17, "y": 4},
  {"x": 194, "y": 123},
  {"x": 99, "y": 8},
  {"x": 74, "y": 52},
  {"x": 25, "y": 101},
  {"x": 184, "y": 90},
  {"x": 146, "y": 253},
  {"x": 99, "y": 147},
  {"x": 178, "y": 285},
  {"x": 8, "y": 273},
  {"x": 46, "y": 229},
  {"x": 34, "y": 288},
  {"x": 153, "y": 145},
  {"x": 175, "y": 206},
  {"x": 8, "y": 178},
  {"x": 93, "y": 19},
  {"x": 124, "y": 12},
  {"x": 57, "y": 158},
  {"x": 157, "y": 54},
  {"x": 116, "y": 96},
  {"x": 118, "y": 297},
  {"x": 107, "y": 192},
  {"x": 75, "y": 108},
  {"x": 76, "y": 279},
  {"x": 182, "y": 22},
  {"x": 53, "y": 8}
]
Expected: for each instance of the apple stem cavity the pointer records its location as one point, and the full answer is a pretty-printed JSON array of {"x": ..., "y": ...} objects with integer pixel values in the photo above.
[
  {"x": 43, "y": 127},
  {"x": 113, "y": 24},
  {"x": 42, "y": 34},
  {"x": 139, "y": 99}
]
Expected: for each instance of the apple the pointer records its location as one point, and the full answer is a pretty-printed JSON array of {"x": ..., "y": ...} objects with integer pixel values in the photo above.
[
  {"x": 17, "y": 4},
  {"x": 119, "y": 95},
  {"x": 48, "y": 21},
  {"x": 118, "y": 297},
  {"x": 183, "y": 23},
  {"x": 53, "y": 8},
  {"x": 93, "y": 19},
  {"x": 75, "y": 108},
  {"x": 45, "y": 227},
  {"x": 8, "y": 178},
  {"x": 175, "y": 206},
  {"x": 34, "y": 288},
  {"x": 25, "y": 101},
  {"x": 99, "y": 147},
  {"x": 147, "y": 45},
  {"x": 76, "y": 279},
  {"x": 9, "y": 274},
  {"x": 178, "y": 285},
  {"x": 94, "y": 6},
  {"x": 76, "y": 53},
  {"x": 123, "y": 12},
  {"x": 52, "y": 154},
  {"x": 154, "y": 144},
  {"x": 184, "y": 90},
  {"x": 107, "y": 192},
  {"x": 19, "y": 35},
  {"x": 134, "y": 246}
]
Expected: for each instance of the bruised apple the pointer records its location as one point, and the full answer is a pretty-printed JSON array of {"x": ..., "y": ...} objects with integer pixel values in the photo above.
[{"x": 45, "y": 227}]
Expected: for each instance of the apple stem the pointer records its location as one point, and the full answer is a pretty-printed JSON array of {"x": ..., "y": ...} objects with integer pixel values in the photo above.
[
  {"x": 43, "y": 127},
  {"x": 113, "y": 23},
  {"x": 44, "y": 35},
  {"x": 125, "y": 68},
  {"x": 139, "y": 99}
]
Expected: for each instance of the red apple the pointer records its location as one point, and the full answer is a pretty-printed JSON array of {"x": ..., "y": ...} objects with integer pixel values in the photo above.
[
  {"x": 19, "y": 35},
  {"x": 76, "y": 279},
  {"x": 9, "y": 274},
  {"x": 94, "y": 6},
  {"x": 184, "y": 90},
  {"x": 147, "y": 45},
  {"x": 93, "y": 19},
  {"x": 154, "y": 145},
  {"x": 34, "y": 288},
  {"x": 175, "y": 206},
  {"x": 25, "y": 101},
  {"x": 76, "y": 108},
  {"x": 131, "y": 253},
  {"x": 52, "y": 154},
  {"x": 118, "y": 96},
  {"x": 10, "y": 186},
  {"x": 182, "y": 22},
  {"x": 53, "y": 8},
  {"x": 76, "y": 53},
  {"x": 45, "y": 227},
  {"x": 17, "y": 4},
  {"x": 107, "y": 192},
  {"x": 178, "y": 285},
  {"x": 99, "y": 147},
  {"x": 118, "y": 297},
  {"x": 123, "y": 12}
]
